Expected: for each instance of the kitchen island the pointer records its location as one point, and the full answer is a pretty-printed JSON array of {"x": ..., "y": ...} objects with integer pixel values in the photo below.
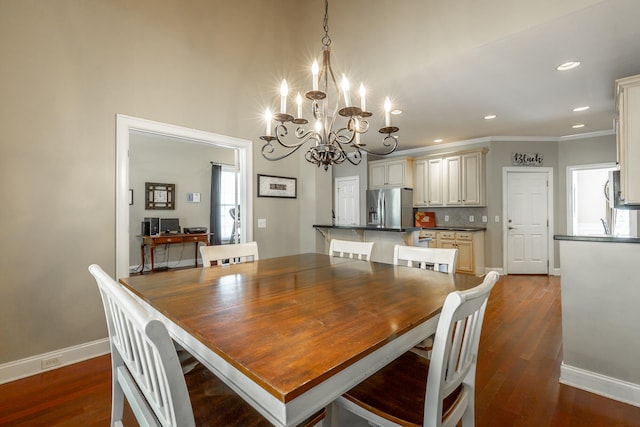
[
  {"x": 600, "y": 289},
  {"x": 384, "y": 238}
]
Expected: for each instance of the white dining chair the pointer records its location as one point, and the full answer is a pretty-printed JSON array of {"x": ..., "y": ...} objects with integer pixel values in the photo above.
[
  {"x": 351, "y": 249},
  {"x": 437, "y": 259},
  {"x": 229, "y": 254},
  {"x": 414, "y": 391},
  {"x": 146, "y": 371}
]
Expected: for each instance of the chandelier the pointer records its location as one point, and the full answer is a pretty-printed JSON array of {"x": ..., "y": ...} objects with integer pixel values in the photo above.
[{"x": 337, "y": 123}]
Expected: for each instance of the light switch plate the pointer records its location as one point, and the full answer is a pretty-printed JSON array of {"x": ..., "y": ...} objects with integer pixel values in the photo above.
[
  {"x": 484, "y": 218},
  {"x": 262, "y": 222},
  {"x": 471, "y": 218},
  {"x": 497, "y": 219},
  {"x": 446, "y": 218}
]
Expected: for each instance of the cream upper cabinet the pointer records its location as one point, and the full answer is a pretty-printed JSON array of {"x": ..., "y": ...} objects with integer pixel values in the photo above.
[
  {"x": 457, "y": 179},
  {"x": 434, "y": 182},
  {"x": 391, "y": 173},
  {"x": 420, "y": 183},
  {"x": 628, "y": 138},
  {"x": 473, "y": 179},
  {"x": 453, "y": 181}
]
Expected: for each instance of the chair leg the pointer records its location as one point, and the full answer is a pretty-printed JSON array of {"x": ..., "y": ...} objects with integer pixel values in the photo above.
[{"x": 117, "y": 401}]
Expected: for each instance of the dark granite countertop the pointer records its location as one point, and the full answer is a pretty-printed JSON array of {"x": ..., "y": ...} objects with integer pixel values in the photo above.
[
  {"x": 364, "y": 227},
  {"x": 455, "y": 228},
  {"x": 608, "y": 239}
]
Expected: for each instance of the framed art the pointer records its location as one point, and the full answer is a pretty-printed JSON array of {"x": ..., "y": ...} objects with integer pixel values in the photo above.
[
  {"x": 276, "y": 186},
  {"x": 159, "y": 196}
]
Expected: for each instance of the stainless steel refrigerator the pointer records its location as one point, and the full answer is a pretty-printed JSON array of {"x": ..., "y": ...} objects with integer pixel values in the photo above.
[{"x": 390, "y": 207}]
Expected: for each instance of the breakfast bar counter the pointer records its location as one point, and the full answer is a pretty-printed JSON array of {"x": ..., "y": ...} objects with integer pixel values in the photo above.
[
  {"x": 384, "y": 238},
  {"x": 600, "y": 288}
]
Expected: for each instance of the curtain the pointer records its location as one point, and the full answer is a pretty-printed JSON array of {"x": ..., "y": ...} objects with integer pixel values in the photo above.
[{"x": 215, "y": 227}]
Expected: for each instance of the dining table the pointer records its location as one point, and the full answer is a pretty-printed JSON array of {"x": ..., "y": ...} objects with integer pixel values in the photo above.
[{"x": 290, "y": 334}]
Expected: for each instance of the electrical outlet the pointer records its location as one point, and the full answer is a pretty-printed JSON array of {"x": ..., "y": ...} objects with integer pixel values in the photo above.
[
  {"x": 471, "y": 218},
  {"x": 50, "y": 362},
  {"x": 446, "y": 218},
  {"x": 497, "y": 219},
  {"x": 262, "y": 222},
  {"x": 484, "y": 218}
]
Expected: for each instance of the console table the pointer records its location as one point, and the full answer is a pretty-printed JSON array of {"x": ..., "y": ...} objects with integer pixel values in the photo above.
[{"x": 170, "y": 239}]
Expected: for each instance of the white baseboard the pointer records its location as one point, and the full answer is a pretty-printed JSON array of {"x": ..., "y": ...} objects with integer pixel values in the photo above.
[
  {"x": 609, "y": 387},
  {"x": 15, "y": 370},
  {"x": 498, "y": 270}
]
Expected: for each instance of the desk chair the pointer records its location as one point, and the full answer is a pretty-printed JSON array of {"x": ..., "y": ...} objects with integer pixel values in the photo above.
[
  {"x": 351, "y": 249},
  {"x": 231, "y": 254},
  {"x": 146, "y": 370},
  {"x": 437, "y": 259},
  {"x": 414, "y": 391}
]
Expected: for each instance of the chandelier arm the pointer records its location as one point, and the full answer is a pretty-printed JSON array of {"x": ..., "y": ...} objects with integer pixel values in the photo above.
[
  {"x": 268, "y": 148},
  {"x": 392, "y": 146}
]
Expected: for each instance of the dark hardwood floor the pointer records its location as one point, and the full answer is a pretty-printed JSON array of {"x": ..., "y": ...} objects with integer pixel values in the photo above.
[{"x": 517, "y": 377}]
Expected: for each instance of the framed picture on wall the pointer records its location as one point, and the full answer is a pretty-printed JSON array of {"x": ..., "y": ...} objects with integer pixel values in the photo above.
[
  {"x": 160, "y": 196},
  {"x": 276, "y": 186}
]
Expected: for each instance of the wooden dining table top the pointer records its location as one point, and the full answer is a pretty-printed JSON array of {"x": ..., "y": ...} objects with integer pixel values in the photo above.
[{"x": 289, "y": 323}]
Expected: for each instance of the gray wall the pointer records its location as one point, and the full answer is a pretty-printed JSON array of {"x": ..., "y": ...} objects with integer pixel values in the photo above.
[{"x": 68, "y": 68}]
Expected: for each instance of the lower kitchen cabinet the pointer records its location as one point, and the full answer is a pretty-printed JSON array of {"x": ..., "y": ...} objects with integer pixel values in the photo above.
[{"x": 470, "y": 245}]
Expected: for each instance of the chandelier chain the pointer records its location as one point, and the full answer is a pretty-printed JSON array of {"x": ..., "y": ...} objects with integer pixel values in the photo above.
[{"x": 326, "y": 40}]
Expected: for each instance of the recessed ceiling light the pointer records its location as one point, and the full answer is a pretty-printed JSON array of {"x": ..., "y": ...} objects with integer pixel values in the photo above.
[
  {"x": 586, "y": 107},
  {"x": 396, "y": 112},
  {"x": 580, "y": 125},
  {"x": 437, "y": 140},
  {"x": 490, "y": 117},
  {"x": 568, "y": 65}
]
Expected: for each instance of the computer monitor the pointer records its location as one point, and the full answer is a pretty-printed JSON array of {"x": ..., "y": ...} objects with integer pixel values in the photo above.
[{"x": 169, "y": 225}]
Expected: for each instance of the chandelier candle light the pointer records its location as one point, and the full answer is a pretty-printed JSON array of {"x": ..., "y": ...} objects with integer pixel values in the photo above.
[{"x": 336, "y": 131}]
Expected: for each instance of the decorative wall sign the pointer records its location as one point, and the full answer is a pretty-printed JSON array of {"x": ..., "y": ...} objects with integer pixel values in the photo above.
[
  {"x": 276, "y": 186},
  {"x": 160, "y": 196},
  {"x": 527, "y": 159}
]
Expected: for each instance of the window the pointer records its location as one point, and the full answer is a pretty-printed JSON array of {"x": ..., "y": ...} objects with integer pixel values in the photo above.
[
  {"x": 588, "y": 209},
  {"x": 229, "y": 205}
]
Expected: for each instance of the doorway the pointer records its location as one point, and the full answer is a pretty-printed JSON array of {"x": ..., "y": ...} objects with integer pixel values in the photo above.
[
  {"x": 347, "y": 200},
  {"x": 125, "y": 125},
  {"x": 527, "y": 220}
]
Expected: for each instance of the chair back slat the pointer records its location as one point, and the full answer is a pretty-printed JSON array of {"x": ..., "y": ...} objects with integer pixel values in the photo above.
[
  {"x": 437, "y": 259},
  {"x": 351, "y": 249},
  {"x": 229, "y": 254},
  {"x": 143, "y": 352}
]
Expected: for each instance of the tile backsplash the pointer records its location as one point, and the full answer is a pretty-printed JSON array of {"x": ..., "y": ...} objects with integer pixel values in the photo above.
[{"x": 458, "y": 217}]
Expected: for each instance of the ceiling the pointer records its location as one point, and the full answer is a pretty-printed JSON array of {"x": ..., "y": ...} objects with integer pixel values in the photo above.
[{"x": 448, "y": 64}]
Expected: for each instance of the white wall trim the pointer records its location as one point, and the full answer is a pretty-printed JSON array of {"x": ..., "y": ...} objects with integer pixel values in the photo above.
[
  {"x": 603, "y": 385},
  {"x": 18, "y": 369}
]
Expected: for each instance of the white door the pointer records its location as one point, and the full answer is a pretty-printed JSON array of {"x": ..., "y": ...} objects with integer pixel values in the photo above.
[
  {"x": 347, "y": 203},
  {"x": 527, "y": 223}
]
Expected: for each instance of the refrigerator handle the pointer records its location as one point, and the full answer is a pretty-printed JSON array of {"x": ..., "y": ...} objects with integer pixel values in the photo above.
[{"x": 383, "y": 217}]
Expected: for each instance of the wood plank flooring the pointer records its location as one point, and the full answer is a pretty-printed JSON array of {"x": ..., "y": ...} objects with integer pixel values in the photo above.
[{"x": 517, "y": 377}]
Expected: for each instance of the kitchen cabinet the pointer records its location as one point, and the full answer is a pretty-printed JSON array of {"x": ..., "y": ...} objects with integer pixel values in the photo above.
[
  {"x": 470, "y": 245},
  {"x": 628, "y": 137},
  {"x": 433, "y": 235},
  {"x": 420, "y": 192},
  {"x": 464, "y": 180},
  {"x": 391, "y": 173},
  {"x": 454, "y": 179}
]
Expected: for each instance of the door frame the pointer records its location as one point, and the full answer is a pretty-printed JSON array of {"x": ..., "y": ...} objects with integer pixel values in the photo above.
[
  {"x": 127, "y": 124},
  {"x": 335, "y": 192},
  {"x": 550, "y": 242}
]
